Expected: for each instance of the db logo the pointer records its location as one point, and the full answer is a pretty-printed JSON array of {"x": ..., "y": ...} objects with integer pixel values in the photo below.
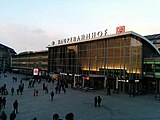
[{"x": 120, "y": 29}]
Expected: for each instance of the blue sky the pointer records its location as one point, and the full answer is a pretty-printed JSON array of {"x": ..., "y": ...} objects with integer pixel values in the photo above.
[{"x": 34, "y": 24}]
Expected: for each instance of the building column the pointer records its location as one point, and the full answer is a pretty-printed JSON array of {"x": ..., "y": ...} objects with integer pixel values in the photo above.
[
  {"x": 83, "y": 82},
  {"x": 74, "y": 83},
  {"x": 105, "y": 81},
  {"x": 116, "y": 83}
]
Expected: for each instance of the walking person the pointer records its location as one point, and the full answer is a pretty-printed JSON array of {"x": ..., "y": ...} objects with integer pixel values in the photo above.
[
  {"x": 99, "y": 101},
  {"x": 56, "y": 117},
  {"x": 64, "y": 90},
  {"x": 17, "y": 91},
  {"x": 56, "y": 88},
  {"x": 0, "y": 103},
  {"x": 108, "y": 91},
  {"x": 44, "y": 86},
  {"x": 15, "y": 106},
  {"x": 29, "y": 84},
  {"x": 4, "y": 102},
  {"x": 69, "y": 116},
  {"x": 12, "y": 115},
  {"x": 13, "y": 78},
  {"x": 34, "y": 92},
  {"x": 3, "y": 116},
  {"x": 12, "y": 90},
  {"x": 35, "y": 118},
  {"x": 46, "y": 89},
  {"x": 52, "y": 95},
  {"x": 95, "y": 101}
]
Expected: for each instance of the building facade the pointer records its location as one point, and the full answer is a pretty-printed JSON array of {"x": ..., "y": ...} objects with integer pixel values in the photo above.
[
  {"x": 25, "y": 62},
  {"x": 152, "y": 74},
  {"x": 5, "y": 57},
  {"x": 155, "y": 39},
  {"x": 113, "y": 60}
]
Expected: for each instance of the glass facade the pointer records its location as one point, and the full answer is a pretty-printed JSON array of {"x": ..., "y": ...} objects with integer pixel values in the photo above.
[{"x": 113, "y": 57}]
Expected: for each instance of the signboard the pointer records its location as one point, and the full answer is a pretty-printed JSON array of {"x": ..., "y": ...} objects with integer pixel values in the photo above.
[
  {"x": 120, "y": 29},
  {"x": 83, "y": 37},
  {"x": 35, "y": 71}
]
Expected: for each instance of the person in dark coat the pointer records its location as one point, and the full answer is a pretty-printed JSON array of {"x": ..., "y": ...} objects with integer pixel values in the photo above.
[
  {"x": 12, "y": 115},
  {"x": 44, "y": 86},
  {"x": 36, "y": 92},
  {"x": 3, "y": 116},
  {"x": 56, "y": 117},
  {"x": 108, "y": 91},
  {"x": 52, "y": 95},
  {"x": 95, "y": 101},
  {"x": 46, "y": 89},
  {"x": 4, "y": 102},
  {"x": 69, "y": 116},
  {"x": 35, "y": 118},
  {"x": 15, "y": 106},
  {"x": 99, "y": 101},
  {"x": 12, "y": 90},
  {"x": 0, "y": 103},
  {"x": 56, "y": 88}
]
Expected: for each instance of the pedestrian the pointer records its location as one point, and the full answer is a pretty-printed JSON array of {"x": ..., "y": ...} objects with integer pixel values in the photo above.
[
  {"x": 17, "y": 91},
  {"x": 69, "y": 116},
  {"x": 33, "y": 82},
  {"x": 0, "y": 103},
  {"x": 99, "y": 101},
  {"x": 4, "y": 102},
  {"x": 12, "y": 90},
  {"x": 133, "y": 92},
  {"x": 44, "y": 86},
  {"x": 3, "y": 116},
  {"x": 95, "y": 101},
  {"x": 56, "y": 117},
  {"x": 36, "y": 92},
  {"x": 64, "y": 90},
  {"x": 56, "y": 88},
  {"x": 29, "y": 84},
  {"x": 20, "y": 88},
  {"x": 12, "y": 115},
  {"x": 46, "y": 89},
  {"x": 52, "y": 95},
  {"x": 15, "y": 106},
  {"x": 13, "y": 78},
  {"x": 35, "y": 118},
  {"x": 108, "y": 91}
]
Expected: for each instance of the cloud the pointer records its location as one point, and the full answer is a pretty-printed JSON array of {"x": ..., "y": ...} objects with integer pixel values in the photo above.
[{"x": 24, "y": 37}]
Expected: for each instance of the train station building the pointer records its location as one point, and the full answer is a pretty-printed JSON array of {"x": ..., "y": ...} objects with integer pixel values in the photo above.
[{"x": 99, "y": 60}]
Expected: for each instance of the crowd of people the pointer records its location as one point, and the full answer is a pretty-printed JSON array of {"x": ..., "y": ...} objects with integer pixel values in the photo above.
[
  {"x": 59, "y": 86},
  {"x": 3, "y": 115},
  {"x": 69, "y": 116},
  {"x": 19, "y": 90}
]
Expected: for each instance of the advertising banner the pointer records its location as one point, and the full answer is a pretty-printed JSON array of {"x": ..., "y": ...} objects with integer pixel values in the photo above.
[{"x": 35, "y": 71}]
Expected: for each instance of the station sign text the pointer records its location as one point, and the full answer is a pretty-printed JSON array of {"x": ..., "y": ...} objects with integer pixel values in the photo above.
[{"x": 83, "y": 37}]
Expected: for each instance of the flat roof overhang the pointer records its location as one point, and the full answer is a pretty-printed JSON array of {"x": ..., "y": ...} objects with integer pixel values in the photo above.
[{"x": 144, "y": 40}]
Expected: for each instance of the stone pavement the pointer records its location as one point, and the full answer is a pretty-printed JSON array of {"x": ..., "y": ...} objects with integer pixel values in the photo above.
[{"x": 114, "y": 107}]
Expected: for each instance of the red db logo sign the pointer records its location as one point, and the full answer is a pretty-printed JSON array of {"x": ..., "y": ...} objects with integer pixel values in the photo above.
[{"x": 120, "y": 29}]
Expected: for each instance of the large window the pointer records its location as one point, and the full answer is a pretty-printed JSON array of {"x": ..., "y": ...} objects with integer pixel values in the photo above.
[{"x": 122, "y": 53}]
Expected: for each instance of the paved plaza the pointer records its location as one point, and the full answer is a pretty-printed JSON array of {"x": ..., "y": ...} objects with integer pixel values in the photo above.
[{"x": 115, "y": 107}]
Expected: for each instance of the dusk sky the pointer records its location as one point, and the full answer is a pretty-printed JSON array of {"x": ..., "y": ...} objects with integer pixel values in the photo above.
[{"x": 27, "y": 25}]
